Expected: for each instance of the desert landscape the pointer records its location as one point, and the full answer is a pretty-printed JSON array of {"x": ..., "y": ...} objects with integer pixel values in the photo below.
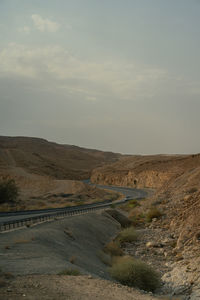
[
  {"x": 166, "y": 223},
  {"x": 99, "y": 150}
]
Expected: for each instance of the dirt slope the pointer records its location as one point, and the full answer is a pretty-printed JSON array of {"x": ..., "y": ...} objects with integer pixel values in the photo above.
[
  {"x": 145, "y": 171},
  {"x": 176, "y": 180},
  {"x": 54, "y": 287},
  {"x": 46, "y": 158},
  {"x": 37, "y": 192}
]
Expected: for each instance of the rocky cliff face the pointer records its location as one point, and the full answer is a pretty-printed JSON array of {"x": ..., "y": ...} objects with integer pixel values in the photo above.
[
  {"x": 144, "y": 179},
  {"x": 145, "y": 172}
]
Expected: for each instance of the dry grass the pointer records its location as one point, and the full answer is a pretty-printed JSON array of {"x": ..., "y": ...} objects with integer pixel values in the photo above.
[
  {"x": 70, "y": 272},
  {"x": 69, "y": 233},
  {"x": 8, "y": 275},
  {"x": 135, "y": 273},
  {"x": 137, "y": 217},
  {"x": 104, "y": 258},
  {"x": 72, "y": 259},
  {"x": 2, "y": 283},
  {"x": 153, "y": 212},
  {"x": 22, "y": 241},
  {"x": 127, "y": 235},
  {"x": 113, "y": 249},
  {"x": 128, "y": 206}
]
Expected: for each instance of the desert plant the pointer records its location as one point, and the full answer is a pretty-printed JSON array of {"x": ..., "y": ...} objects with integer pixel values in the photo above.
[
  {"x": 137, "y": 218},
  {"x": 72, "y": 259},
  {"x": 127, "y": 235},
  {"x": 70, "y": 272},
  {"x": 192, "y": 190},
  {"x": 2, "y": 283},
  {"x": 8, "y": 191},
  {"x": 113, "y": 248},
  {"x": 113, "y": 205},
  {"x": 135, "y": 273},
  {"x": 105, "y": 258},
  {"x": 153, "y": 212},
  {"x": 128, "y": 206}
]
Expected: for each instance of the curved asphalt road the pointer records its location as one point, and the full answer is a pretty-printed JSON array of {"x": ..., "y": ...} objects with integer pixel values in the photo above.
[{"x": 129, "y": 193}]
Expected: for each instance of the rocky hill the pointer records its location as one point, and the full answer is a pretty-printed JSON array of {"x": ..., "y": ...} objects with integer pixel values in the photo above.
[
  {"x": 176, "y": 181},
  {"x": 41, "y": 157},
  {"x": 49, "y": 174},
  {"x": 145, "y": 171}
]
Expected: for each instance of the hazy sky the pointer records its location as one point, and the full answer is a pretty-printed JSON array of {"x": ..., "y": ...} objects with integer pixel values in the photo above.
[{"x": 107, "y": 74}]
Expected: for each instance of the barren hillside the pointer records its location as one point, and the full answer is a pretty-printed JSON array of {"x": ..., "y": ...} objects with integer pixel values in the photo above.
[
  {"x": 145, "y": 171},
  {"x": 48, "y": 174},
  {"x": 176, "y": 180},
  {"x": 41, "y": 157}
]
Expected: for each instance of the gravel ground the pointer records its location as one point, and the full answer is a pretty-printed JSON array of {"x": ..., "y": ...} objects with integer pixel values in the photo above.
[{"x": 54, "y": 287}]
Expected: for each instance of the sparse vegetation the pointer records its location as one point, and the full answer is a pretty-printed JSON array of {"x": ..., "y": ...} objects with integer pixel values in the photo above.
[
  {"x": 8, "y": 275},
  {"x": 70, "y": 272},
  {"x": 72, "y": 259},
  {"x": 2, "y": 283},
  {"x": 105, "y": 258},
  {"x": 69, "y": 233},
  {"x": 135, "y": 273},
  {"x": 192, "y": 190},
  {"x": 127, "y": 235},
  {"x": 8, "y": 191},
  {"x": 137, "y": 218},
  {"x": 153, "y": 212},
  {"x": 22, "y": 241},
  {"x": 128, "y": 206},
  {"x": 113, "y": 248}
]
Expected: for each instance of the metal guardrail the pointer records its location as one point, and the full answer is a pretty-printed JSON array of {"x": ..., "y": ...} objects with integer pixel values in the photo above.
[{"x": 14, "y": 224}]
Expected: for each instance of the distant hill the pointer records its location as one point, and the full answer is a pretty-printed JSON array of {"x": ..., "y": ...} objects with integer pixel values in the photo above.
[{"x": 41, "y": 157}]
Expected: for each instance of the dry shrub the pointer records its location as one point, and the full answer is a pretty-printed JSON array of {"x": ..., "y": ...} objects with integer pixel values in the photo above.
[
  {"x": 8, "y": 275},
  {"x": 153, "y": 212},
  {"x": 135, "y": 273},
  {"x": 128, "y": 206},
  {"x": 69, "y": 233},
  {"x": 70, "y": 272},
  {"x": 137, "y": 218},
  {"x": 113, "y": 248},
  {"x": 72, "y": 259},
  {"x": 21, "y": 241},
  {"x": 105, "y": 258},
  {"x": 127, "y": 235},
  {"x": 2, "y": 283},
  {"x": 192, "y": 190}
]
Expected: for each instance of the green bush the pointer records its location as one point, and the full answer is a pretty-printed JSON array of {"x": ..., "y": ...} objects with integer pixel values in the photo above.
[
  {"x": 127, "y": 235},
  {"x": 135, "y": 273},
  {"x": 153, "y": 213},
  {"x": 70, "y": 272},
  {"x": 8, "y": 191}
]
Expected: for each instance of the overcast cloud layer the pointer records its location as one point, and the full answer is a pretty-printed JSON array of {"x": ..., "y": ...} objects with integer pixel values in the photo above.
[{"x": 113, "y": 75}]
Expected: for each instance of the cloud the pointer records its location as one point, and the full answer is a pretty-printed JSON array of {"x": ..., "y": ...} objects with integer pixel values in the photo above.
[
  {"x": 44, "y": 24},
  {"x": 57, "y": 69},
  {"x": 24, "y": 29}
]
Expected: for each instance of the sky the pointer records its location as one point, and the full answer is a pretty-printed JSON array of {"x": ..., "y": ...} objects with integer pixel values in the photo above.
[{"x": 121, "y": 76}]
